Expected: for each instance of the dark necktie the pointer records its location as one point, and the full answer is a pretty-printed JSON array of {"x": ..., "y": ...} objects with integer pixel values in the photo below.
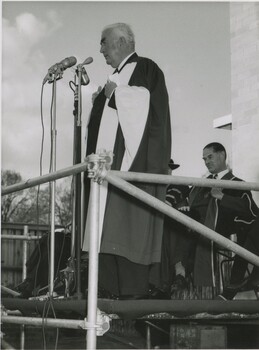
[{"x": 215, "y": 176}]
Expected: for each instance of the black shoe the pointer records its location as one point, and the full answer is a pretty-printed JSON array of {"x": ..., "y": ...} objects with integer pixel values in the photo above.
[
  {"x": 231, "y": 290},
  {"x": 25, "y": 288},
  {"x": 237, "y": 287},
  {"x": 179, "y": 283}
]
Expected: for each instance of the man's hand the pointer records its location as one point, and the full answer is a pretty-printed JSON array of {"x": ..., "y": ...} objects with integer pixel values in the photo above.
[
  {"x": 217, "y": 193},
  {"x": 109, "y": 88},
  {"x": 184, "y": 208}
]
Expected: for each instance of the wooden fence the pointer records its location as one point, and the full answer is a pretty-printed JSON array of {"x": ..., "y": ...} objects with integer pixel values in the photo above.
[{"x": 12, "y": 250}]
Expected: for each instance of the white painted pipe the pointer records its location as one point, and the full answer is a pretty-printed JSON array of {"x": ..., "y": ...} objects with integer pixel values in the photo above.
[{"x": 93, "y": 265}]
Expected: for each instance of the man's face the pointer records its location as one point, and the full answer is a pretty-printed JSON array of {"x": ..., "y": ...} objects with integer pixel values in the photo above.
[
  {"x": 214, "y": 161},
  {"x": 110, "y": 48}
]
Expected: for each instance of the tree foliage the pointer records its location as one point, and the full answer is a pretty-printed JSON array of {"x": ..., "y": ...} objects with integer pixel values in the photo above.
[{"x": 33, "y": 205}]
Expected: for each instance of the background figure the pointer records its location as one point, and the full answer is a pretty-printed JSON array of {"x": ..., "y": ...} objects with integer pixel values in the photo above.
[
  {"x": 38, "y": 263},
  {"x": 134, "y": 107},
  {"x": 227, "y": 211},
  {"x": 178, "y": 243}
]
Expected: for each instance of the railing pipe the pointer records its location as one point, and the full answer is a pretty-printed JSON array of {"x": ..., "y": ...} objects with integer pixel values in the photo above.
[
  {"x": 184, "y": 180},
  {"x": 20, "y": 237},
  {"x": 93, "y": 265},
  {"x": 55, "y": 175},
  {"x": 10, "y": 291},
  {"x": 131, "y": 176},
  {"x": 48, "y": 322},
  {"x": 182, "y": 218}
]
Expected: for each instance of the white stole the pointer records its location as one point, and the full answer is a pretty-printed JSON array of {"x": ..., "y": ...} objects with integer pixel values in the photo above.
[{"x": 132, "y": 104}]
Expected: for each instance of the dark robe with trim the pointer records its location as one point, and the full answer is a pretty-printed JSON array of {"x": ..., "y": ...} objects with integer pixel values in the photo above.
[
  {"x": 132, "y": 229},
  {"x": 234, "y": 214}
]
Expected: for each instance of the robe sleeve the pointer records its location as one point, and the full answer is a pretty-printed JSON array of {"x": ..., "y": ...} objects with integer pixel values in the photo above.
[{"x": 242, "y": 205}]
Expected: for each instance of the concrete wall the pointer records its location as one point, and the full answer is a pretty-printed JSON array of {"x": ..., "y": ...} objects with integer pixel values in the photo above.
[{"x": 244, "y": 30}]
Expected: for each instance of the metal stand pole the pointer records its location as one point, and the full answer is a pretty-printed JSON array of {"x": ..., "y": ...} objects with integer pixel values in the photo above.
[
  {"x": 93, "y": 265},
  {"x": 76, "y": 222},
  {"x": 148, "y": 337},
  {"x": 25, "y": 252},
  {"x": 76, "y": 228},
  {"x": 24, "y": 275},
  {"x": 53, "y": 192},
  {"x": 78, "y": 156}
]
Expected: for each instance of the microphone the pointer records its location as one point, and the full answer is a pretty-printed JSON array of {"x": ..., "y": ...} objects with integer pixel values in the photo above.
[
  {"x": 85, "y": 79},
  {"x": 59, "y": 68},
  {"x": 67, "y": 63},
  {"x": 88, "y": 60}
]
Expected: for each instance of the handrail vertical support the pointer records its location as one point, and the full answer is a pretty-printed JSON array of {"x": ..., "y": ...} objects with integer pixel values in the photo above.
[
  {"x": 93, "y": 265},
  {"x": 25, "y": 251}
]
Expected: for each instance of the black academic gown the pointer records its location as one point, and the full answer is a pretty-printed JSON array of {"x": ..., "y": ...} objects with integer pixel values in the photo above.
[
  {"x": 131, "y": 229},
  {"x": 234, "y": 214}
]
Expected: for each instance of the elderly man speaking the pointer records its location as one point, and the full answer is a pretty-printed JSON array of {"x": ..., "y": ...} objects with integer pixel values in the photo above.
[{"x": 130, "y": 116}]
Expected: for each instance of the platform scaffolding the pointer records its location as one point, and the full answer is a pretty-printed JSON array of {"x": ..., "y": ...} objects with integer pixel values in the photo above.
[{"x": 97, "y": 321}]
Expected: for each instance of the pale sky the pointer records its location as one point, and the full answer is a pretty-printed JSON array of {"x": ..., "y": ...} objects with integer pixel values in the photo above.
[{"x": 189, "y": 41}]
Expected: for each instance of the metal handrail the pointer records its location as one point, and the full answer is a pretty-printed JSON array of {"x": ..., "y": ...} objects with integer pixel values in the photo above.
[
  {"x": 182, "y": 218},
  {"x": 132, "y": 176},
  {"x": 118, "y": 179}
]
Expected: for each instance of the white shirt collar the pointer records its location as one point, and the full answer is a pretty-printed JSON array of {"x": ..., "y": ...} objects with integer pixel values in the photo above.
[
  {"x": 222, "y": 173},
  {"x": 125, "y": 59}
]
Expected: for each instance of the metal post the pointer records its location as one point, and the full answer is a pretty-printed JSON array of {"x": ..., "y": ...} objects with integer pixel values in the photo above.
[
  {"x": 22, "y": 337},
  {"x": 24, "y": 275},
  {"x": 148, "y": 337},
  {"x": 53, "y": 194},
  {"x": 93, "y": 265},
  {"x": 25, "y": 252}
]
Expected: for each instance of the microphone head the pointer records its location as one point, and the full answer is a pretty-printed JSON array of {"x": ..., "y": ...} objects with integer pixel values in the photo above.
[
  {"x": 68, "y": 62},
  {"x": 53, "y": 68},
  {"x": 88, "y": 60}
]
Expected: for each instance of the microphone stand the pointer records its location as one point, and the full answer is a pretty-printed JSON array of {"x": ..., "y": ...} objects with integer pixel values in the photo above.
[
  {"x": 52, "y": 77},
  {"x": 53, "y": 191},
  {"x": 76, "y": 234},
  {"x": 77, "y": 225}
]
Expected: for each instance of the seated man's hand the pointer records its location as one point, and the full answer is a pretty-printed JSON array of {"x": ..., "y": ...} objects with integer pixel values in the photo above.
[
  {"x": 109, "y": 88},
  {"x": 184, "y": 208},
  {"x": 217, "y": 193}
]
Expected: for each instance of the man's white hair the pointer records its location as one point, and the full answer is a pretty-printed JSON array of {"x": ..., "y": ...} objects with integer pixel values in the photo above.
[{"x": 125, "y": 31}]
